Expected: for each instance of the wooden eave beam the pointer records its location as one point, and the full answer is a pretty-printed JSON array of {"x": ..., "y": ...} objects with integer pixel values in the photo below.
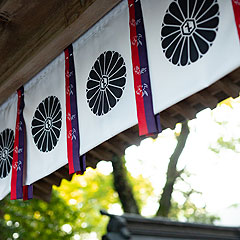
[
  {"x": 101, "y": 154},
  {"x": 63, "y": 173},
  {"x": 33, "y": 33},
  {"x": 184, "y": 109},
  {"x": 39, "y": 194},
  {"x": 43, "y": 186},
  {"x": 205, "y": 98},
  {"x": 228, "y": 87}
]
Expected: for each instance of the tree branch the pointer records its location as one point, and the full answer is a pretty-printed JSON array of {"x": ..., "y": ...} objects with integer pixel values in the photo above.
[
  {"x": 123, "y": 187},
  {"x": 172, "y": 173}
]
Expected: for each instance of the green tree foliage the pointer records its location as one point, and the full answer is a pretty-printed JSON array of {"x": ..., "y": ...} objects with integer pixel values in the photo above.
[
  {"x": 231, "y": 142},
  {"x": 225, "y": 144},
  {"x": 37, "y": 219},
  {"x": 142, "y": 189},
  {"x": 90, "y": 193},
  {"x": 189, "y": 211},
  {"x": 73, "y": 209},
  {"x": 94, "y": 191}
]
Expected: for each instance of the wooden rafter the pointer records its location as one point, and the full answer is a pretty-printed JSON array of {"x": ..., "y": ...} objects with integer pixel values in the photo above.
[{"x": 33, "y": 33}]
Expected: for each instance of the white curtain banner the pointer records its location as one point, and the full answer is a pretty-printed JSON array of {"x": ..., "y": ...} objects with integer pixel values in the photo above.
[
  {"x": 8, "y": 113},
  {"x": 106, "y": 99},
  {"x": 191, "y": 44},
  {"x": 45, "y": 118}
]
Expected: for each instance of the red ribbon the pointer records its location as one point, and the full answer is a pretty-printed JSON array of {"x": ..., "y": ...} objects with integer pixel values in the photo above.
[
  {"x": 15, "y": 152},
  {"x": 75, "y": 162},
  {"x": 137, "y": 77},
  {"x": 236, "y": 10},
  {"x": 148, "y": 123},
  {"x": 68, "y": 111},
  {"x": 18, "y": 190}
]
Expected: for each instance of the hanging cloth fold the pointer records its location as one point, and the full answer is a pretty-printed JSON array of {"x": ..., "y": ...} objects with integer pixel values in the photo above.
[
  {"x": 18, "y": 189},
  {"x": 236, "y": 10},
  {"x": 148, "y": 123},
  {"x": 76, "y": 164}
]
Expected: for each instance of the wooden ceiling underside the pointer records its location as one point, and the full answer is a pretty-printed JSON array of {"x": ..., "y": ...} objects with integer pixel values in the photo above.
[
  {"x": 34, "y": 32},
  {"x": 229, "y": 86}
]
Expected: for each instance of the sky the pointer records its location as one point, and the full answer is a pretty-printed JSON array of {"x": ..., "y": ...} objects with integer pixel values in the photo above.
[{"x": 216, "y": 175}]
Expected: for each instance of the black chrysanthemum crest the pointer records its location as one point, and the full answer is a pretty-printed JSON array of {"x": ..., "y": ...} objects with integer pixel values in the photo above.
[
  {"x": 6, "y": 151},
  {"x": 189, "y": 29},
  {"x": 106, "y": 82},
  {"x": 46, "y": 124}
]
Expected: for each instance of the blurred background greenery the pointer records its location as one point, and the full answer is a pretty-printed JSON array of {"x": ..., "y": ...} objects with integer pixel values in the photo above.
[{"x": 73, "y": 212}]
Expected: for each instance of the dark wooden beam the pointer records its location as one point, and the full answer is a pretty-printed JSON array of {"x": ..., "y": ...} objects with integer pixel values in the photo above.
[
  {"x": 205, "y": 98},
  {"x": 228, "y": 87},
  {"x": 33, "y": 33},
  {"x": 184, "y": 109},
  {"x": 91, "y": 161},
  {"x": 101, "y": 154},
  {"x": 43, "y": 186},
  {"x": 39, "y": 194},
  {"x": 126, "y": 138},
  {"x": 118, "y": 150},
  {"x": 63, "y": 173},
  {"x": 167, "y": 120},
  {"x": 52, "y": 179}
]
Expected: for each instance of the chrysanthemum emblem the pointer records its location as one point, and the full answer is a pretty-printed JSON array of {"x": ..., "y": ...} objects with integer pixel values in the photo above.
[
  {"x": 189, "y": 29},
  {"x": 106, "y": 82},
  {"x": 46, "y": 124},
  {"x": 6, "y": 152}
]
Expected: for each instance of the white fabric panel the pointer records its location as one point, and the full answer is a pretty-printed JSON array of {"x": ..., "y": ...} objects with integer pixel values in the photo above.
[
  {"x": 47, "y": 150},
  {"x": 8, "y": 113},
  {"x": 172, "y": 83},
  {"x": 110, "y": 35}
]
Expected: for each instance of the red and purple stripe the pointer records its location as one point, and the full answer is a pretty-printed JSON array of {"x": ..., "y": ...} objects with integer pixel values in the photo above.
[
  {"x": 18, "y": 191},
  {"x": 148, "y": 123},
  {"x": 236, "y": 10},
  {"x": 76, "y": 163},
  {"x": 27, "y": 192}
]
